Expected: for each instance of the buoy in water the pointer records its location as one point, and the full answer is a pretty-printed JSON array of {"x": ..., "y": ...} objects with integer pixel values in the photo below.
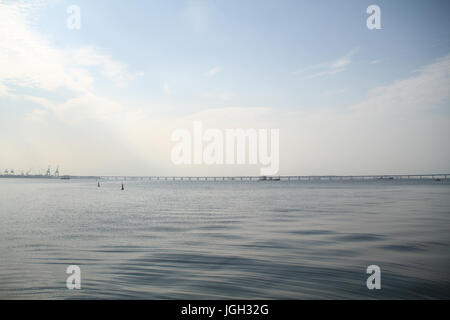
[
  {"x": 123, "y": 187},
  {"x": 98, "y": 184}
]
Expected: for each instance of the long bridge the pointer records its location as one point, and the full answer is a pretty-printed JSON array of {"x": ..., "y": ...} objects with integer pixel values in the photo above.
[{"x": 438, "y": 177}]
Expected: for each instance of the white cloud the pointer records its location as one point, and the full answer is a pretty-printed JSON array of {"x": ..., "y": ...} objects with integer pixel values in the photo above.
[
  {"x": 89, "y": 57},
  {"x": 85, "y": 107},
  {"x": 427, "y": 89},
  {"x": 28, "y": 59},
  {"x": 4, "y": 91},
  {"x": 334, "y": 92},
  {"x": 226, "y": 96},
  {"x": 327, "y": 68},
  {"x": 222, "y": 97},
  {"x": 213, "y": 71},
  {"x": 36, "y": 115},
  {"x": 324, "y": 73},
  {"x": 345, "y": 60},
  {"x": 396, "y": 129}
]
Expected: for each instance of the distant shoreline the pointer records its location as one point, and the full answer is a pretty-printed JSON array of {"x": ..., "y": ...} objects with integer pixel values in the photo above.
[
  {"x": 438, "y": 177},
  {"x": 47, "y": 177}
]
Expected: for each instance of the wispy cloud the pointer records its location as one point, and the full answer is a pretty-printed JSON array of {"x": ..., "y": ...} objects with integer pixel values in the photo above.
[
  {"x": 213, "y": 71},
  {"x": 87, "y": 106},
  {"x": 327, "y": 68},
  {"x": 334, "y": 92},
  {"x": 90, "y": 57},
  {"x": 166, "y": 88},
  {"x": 36, "y": 115},
  {"x": 4, "y": 91},
  {"x": 29, "y": 59},
  {"x": 221, "y": 97}
]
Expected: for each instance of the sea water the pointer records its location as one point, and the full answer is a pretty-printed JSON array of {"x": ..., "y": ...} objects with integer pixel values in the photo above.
[{"x": 224, "y": 239}]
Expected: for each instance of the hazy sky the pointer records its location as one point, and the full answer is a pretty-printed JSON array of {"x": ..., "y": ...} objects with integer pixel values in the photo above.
[{"x": 105, "y": 99}]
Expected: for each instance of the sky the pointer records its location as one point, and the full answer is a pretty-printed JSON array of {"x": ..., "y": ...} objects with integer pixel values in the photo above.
[{"x": 104, "y": 99}]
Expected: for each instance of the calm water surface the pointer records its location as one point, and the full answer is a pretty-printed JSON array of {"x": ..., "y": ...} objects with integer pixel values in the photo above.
[{"x": 223, "y": 240}]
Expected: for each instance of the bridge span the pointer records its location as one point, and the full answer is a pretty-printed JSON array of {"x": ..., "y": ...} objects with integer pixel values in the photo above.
[{"x": 437, "y": 177}]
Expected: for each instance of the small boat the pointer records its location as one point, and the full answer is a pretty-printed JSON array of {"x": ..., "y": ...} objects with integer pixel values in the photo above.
[
  {"x": 65, "y": 177},
  {"x": 265, "y": 178},
  {"x": 385, "y": 178}
]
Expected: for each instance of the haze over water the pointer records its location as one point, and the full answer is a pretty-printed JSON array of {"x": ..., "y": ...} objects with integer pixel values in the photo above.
[{"x": 224, "y": 239}]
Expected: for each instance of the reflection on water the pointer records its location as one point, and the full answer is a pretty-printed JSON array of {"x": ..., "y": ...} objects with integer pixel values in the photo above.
[{"x": 222, "y": 240}]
